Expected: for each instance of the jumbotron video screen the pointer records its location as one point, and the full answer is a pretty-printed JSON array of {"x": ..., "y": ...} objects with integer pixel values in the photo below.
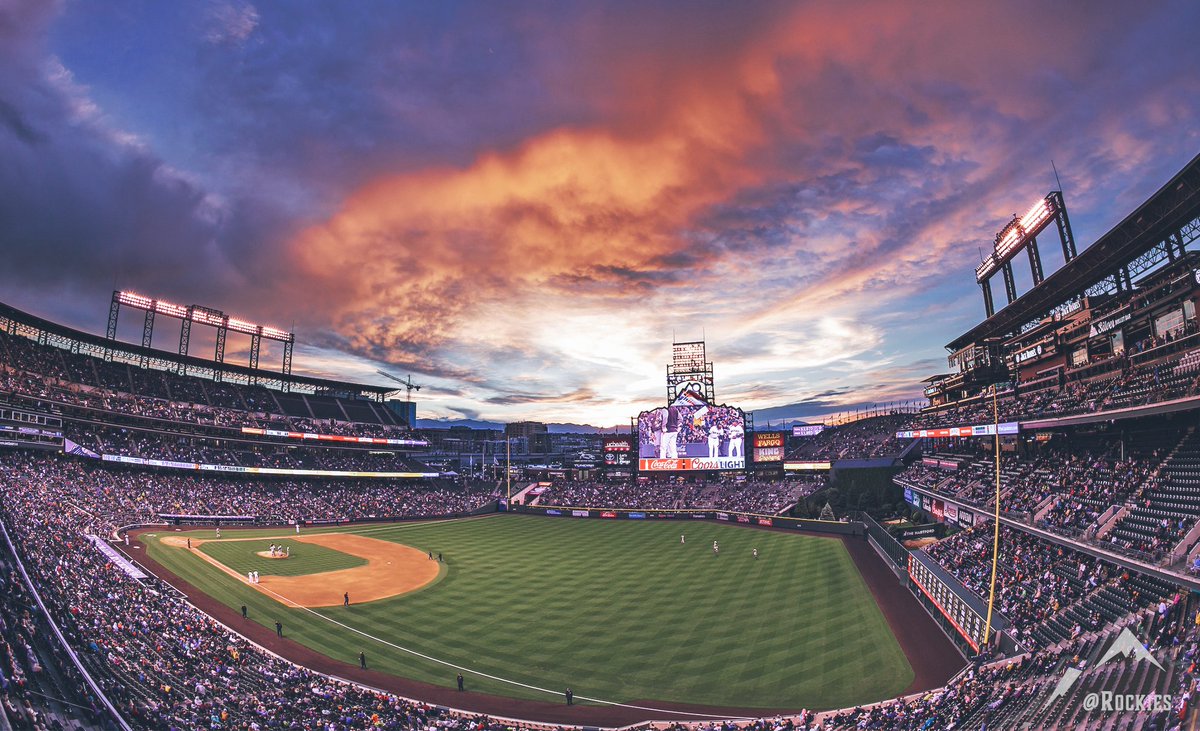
[{"x": 691, "y": 435}]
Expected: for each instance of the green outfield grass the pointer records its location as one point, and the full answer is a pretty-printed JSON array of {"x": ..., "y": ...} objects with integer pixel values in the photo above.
[
  {"x": 618, "y": 610},
  {"x": 305, "y": 558}
]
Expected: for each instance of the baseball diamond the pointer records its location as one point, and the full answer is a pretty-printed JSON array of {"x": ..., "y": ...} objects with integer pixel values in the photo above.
[
  {"x": 621, "y": 366},
  {"x": 621, "y": 611}
]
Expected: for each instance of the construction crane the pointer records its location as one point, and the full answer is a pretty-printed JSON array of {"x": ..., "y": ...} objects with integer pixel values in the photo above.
[{"x": 406, "y": 382}]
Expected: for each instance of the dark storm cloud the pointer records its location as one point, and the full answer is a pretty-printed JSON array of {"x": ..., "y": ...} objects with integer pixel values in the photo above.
[{"x": 521, "y": 203}]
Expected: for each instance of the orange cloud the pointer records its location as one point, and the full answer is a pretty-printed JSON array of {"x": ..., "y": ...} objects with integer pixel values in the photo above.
[
  {"x": 437, "y": 266},
  {"x": 408, "y": 256}
]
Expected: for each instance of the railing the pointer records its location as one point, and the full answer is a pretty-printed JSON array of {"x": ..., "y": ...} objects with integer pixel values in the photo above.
[
  {"x": 1159, "y": 351},
  {"x": 1106, "y": 525},
  {"x": 1181, "y": 549},
  {"x": 1095, "y": 528},
  {"x": 1039, "y": 513},
  {"x": 884, "y": 541}
]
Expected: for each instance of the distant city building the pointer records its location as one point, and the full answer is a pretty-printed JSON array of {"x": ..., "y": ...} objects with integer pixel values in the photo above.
[
  {"x": 528, "y": 437},
  {"x": 406, "y": 410}
]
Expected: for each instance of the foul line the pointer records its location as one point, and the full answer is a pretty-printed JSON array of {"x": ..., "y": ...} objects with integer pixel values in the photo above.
[
  {"x": 494, "y": 677},
  {"x": 479, "y": 673}
]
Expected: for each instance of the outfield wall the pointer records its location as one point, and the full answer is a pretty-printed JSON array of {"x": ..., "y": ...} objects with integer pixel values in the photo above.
[{"x": 751, "y": 519}]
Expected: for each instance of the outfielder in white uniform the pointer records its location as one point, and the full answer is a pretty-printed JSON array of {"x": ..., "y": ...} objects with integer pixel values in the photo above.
[{"x": 737, "y": 436}]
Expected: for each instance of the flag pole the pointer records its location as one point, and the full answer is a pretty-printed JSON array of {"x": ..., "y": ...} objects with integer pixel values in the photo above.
[{"x": 987, "y": 627}]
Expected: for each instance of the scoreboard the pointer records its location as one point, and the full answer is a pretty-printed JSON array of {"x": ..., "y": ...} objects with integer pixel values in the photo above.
[{"x": 966, "y": 612}]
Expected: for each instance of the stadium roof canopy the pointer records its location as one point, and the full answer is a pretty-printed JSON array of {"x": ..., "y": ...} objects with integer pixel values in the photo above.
[
  {"x": 17, "y": 321},
  {"x": 1162, "y": 215},
  {"x": 937, "y": 377}
]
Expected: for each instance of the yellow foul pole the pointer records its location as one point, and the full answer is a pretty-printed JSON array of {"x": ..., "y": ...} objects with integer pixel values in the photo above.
[
  {"x": 508, "y": 467},
  {"x": 987, "y": 627}
]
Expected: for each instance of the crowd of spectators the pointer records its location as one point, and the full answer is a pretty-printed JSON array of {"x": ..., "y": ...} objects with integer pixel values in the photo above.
[
  {"x": 1016, "y": 692},
  {"x": 39, "y": 686},
  {"x": 945, "y": 707},
  {"x": 1125, "y": 384},
  {"x": 54, "y": 375},
  {"x": 765, "y": 497},
  {"x": 1088, "y": 484},
  {"x": 862, "y": 439},
  {"x": 1067, "y": 489},
  {"x": 245, "y": 453},
  {"x": 1153, "y": 540},
  {"x": 164, "y": 664},
  {"x": 633, "y": 494},
  {"x": 130, "y": 496},
  {"x": 1035, "y": 580},
  {"x": 752, "y": 495}
]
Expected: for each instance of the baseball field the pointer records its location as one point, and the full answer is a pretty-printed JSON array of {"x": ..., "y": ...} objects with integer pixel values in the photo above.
[{"x": 523, "y": 607}]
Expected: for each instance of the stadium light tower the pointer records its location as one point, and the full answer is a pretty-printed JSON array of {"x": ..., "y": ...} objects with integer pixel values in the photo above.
[
  {"x": 1021, "y": 234},
  {"x": 189, "y": 314}
]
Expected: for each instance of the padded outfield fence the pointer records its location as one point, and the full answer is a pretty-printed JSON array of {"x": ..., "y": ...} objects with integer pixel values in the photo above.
[{"x": 851, "y": 528}]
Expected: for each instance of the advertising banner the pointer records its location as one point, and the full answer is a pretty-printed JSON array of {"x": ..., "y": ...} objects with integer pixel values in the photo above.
[
  {"x": 768, "y": 454},
  {"x": 792, "y": 466},
  {"x": 769, "y": 446},
  {"x": 768, "y": 439},
  {"x": 977, "y": 430},
  {"x": 618, "y": 453},
  {"x": 238, "y": 469},
  {"x": 334, "y": 437}
]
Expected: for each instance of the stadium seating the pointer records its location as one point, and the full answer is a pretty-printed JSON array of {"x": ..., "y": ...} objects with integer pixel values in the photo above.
[
  {"x": 1048, "y": 593},
  {"x": 1163, "y": 511},
  {"x": 865, "y": 438},
  {"x": 163, "y": 662},
  {"x": 769, "y": 497}
]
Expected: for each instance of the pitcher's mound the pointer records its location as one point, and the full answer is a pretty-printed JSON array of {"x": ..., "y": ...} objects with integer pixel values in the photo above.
[{"x": 268, "y": 554}]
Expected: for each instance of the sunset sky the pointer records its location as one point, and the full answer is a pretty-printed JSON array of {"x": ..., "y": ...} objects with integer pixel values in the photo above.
[{"x": 521, "y": 204}]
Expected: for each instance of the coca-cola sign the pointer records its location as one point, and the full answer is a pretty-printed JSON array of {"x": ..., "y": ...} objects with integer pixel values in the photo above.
[{"x": 691, "y": 463}]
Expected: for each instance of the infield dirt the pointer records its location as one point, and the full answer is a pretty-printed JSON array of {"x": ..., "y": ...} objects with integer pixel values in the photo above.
[{"x": 392, "y": 569}]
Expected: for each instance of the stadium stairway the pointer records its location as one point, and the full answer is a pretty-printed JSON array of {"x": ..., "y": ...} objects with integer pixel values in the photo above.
[
  {"x": 1030, "y": 710},
  {"x": 1175, "y": 499}
]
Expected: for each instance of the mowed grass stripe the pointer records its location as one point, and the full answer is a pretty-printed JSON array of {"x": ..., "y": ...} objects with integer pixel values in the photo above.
[
  {"x": 620, "y": 610},
  {"x": 303, "y": 558}
]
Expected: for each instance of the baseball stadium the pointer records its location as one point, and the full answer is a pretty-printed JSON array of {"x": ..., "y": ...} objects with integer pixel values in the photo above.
[{"x": 725, "y": 423}]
